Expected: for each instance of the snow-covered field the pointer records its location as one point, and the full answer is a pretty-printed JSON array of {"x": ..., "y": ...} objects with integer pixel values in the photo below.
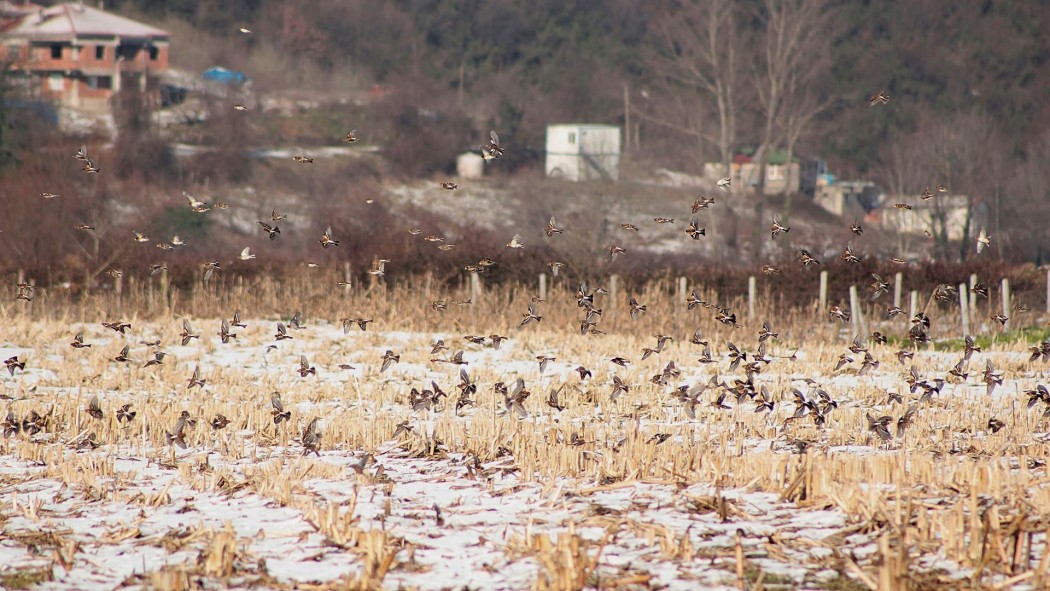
[{"x": 640, "y": 491}]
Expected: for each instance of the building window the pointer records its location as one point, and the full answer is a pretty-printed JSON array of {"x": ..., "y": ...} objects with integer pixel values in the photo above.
[
  {"x": 154, "y": 53},
  {"x": 100, "y": 82},
  {"x": 572, "y": 137},
  {"x": 100, "y": 52},
  {"x": 56, "y": 52},
  {"x": 55, "y": 83}
]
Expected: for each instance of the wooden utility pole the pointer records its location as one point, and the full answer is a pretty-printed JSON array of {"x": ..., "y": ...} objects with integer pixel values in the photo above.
[{"x": 627, "y": 117}]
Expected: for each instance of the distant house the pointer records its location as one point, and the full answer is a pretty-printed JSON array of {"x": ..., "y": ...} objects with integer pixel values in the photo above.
[
  {"x": 80, "y": 56},
  {"x": 846, "y": 198},
  {"x": 580, "y": 152},
  {"x": 917, "y": 220},
  {"x": 781, "y": 176}
]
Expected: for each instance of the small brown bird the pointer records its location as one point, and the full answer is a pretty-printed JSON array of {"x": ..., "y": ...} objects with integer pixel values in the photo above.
[
  {"x": 848, "y": 255},
  {"x": 12, "y": 363},
  {"x": 856, "y": 228},
  {"x": 552, "y": 400},
  {"x": 351, "y": 137},
  {"x": 514, "y": 400},
  {"x": 902, "y": 206},
  {"x": 702, "y": 202},
  {"x": 837, "y": 312},
  {"x": 94, "y": 409},
  {"x": 78, "y": 341},
  {"x": 121, "y": 327},
  {"x": 694, "y": 230},
  {"x": 305, "y": 368},
  {"x": 880, "y": 426},
  {"x": 178, "y": 435},
  {"x": 279, "y": 414},
  {"x": 303, "y": 159},
  {"x": 187, "y": 332},
  {"x": 629, "y": 227},
  {"x": 983, "y": 241},
  {"x": 282, "y": 332},
  {"x": 224, "y": 332},
  {"x": 125, "y": 414},
  {"x": 807, "y": 259},
  {"x": 195, "y": 379},
  {"x": 770, "y": 270},
  {"x": 552, "y": 228},
  {"x": 878, "y": 287},
  {"x": 766, "y": 332},
  {"x": 879, "y": 98},
  {"x": 326, "y": 239},
  {"x": 636, "y": 308},
  {"x": 995, "y": 425},
  {"x": 158, "y": 358},
  {"x": 778, "y": 228},
  {"x": 449, "y": 186},
  {"x": 26, "y": 291},
  {"x": 311, "y": 438},
  {"x": 389, "y": 359},
  {"x": 271, "y": 231},
  {"x": 664, "y": 220},
  {"x": 219, "y": 422},
  {"x": 530, "y": 316},
  {"x": 492, "y": 149}
]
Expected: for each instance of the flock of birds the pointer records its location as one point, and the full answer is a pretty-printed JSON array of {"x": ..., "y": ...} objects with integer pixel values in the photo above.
[{"x": 815, "y": 404}]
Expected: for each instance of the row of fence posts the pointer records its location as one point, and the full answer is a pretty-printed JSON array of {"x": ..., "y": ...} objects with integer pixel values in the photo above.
[{"x": 967, "y": 297}]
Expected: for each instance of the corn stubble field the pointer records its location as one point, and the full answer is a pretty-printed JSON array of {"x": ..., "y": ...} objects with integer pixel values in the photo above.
[{"x": 654, "y": 488}]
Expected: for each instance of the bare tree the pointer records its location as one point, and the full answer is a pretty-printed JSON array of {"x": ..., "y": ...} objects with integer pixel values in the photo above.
[
  {"x": 695, "y": 65},
  {"x": 793, "y": 55},
  {"x": 958, "y": 160}
]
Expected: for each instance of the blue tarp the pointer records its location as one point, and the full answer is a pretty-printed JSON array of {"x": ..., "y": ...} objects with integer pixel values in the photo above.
[{"x": 224, "y": 76}]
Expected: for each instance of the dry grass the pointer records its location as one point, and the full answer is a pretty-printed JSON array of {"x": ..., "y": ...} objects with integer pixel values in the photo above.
[{"x": 948, "y": 499}]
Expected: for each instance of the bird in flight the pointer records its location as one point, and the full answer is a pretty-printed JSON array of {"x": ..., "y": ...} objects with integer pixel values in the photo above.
[{"x": 492, "y": 149}]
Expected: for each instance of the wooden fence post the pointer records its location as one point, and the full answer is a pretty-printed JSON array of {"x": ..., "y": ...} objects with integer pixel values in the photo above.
[
  {"x": 964, "y": 311},
  {"x": 543, "y": 286},
  {"x": 973, "y": 297},
  {"x": 1006, "y": 300},
  {"x": 164, "y": 288},
  {"x": 913, "y": 303},
  {"x": 898, "y": 288},
  {"x": 475, "y": 287},
  {"x": 752, "y": 288},
  {"x": 823, "y": 290},
  {"x": 346, "y": 279},
  {"x": 856, "y": 313},
  {"x": 614, "y": 287},
  {"x": 1048, "y": 291}
]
